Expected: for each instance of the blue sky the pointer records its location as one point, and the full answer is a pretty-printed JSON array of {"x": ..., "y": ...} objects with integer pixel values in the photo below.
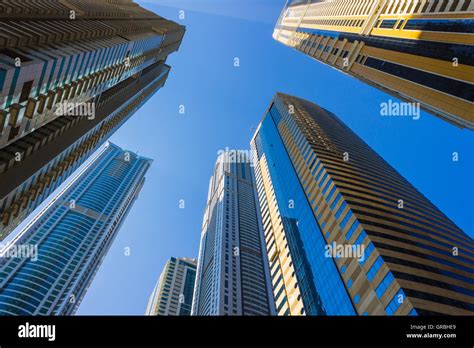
[{"x": 223, "y": 105}]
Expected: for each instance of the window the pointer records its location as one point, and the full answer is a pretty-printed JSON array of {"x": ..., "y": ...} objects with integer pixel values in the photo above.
[
  {"x": 327, "y": 186},
  {"x": 367, "y": 253},
  {"x": 13, "y": 132},
  {"x": 388, "y": 24},
  {"x": 346, "y": 218},
  {"x": 384, "y": 284},
  {"x": 341, "y": 209},
  {"x": 446, "y": 25},
  {"x": 352, "y": 229},
  {"x": 319, "y": 174},
  {"x": 283, "y": 302},
  {"x": 331, "y": 193},
  {"x": 322, "y": 180},
  {"x": 375, "y": 267},
  {"x": 3, "y": 73},
  {"x": 457, "y": 88},
  {"x": 336, "y": 200},
  {"x": 25, "y": 91},
  {"x": 361, "y": 238},
  {"x": 395, "y": 302},
  {"x": 316, "y": 168}
]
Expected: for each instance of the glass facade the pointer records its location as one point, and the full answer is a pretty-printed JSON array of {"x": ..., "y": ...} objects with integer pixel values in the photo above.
[
  {"x": 173, "y": 293},
  {"x": 455, "y": 26},
  {"x": 418, "y": 51},
  {"x": 322, "y": 289},
  {"x": 188, "y": 291},
  {"x": 71, "y": 237},
  {"x": 59, "y": 92},
  {"x": 321, "y": 188}
]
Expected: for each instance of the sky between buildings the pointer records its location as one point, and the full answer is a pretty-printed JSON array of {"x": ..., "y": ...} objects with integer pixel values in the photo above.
[{"x": 223, "y": 105}]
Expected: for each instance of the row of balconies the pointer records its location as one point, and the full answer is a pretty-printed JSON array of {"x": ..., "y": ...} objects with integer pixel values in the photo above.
[
  {"x": 42, "y": 33},
  {"x": 44, "y": 103},
  {"x": 38, "y": 188}
]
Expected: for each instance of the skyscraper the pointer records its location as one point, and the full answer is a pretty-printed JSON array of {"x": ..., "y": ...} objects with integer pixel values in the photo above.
[
  {"x": 173, "y": 293},
  {"x": 232, "y": 275},
  {"x": 71, "y": 235},
  {"x": 345, "y": 232},
  {"x": 71, "y": 73},
  {"x": 418, "y": 51}
]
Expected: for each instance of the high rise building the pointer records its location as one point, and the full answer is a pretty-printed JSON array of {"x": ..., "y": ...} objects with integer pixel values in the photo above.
[
  {"x": 419, "y": 50},
  {"x": 345, "y": 233},
  {"x": 70, "y": 236},
  {"x": 232, "y": 274},
  {"x": 71, "y": 73},
  {"x": 173, "y": 293}
]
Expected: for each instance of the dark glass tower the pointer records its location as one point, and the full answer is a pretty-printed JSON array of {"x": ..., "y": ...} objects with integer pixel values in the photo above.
[
  {"x": 71, "y": 73},
  {"x": 321, "y": 188},
  {"x": 72, "y": 235}
]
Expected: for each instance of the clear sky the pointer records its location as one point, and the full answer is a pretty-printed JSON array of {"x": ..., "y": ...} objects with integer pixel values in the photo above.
[{"x": 223, "y": 105}]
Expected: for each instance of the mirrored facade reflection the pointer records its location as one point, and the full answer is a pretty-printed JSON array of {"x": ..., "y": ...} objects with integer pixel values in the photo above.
[
  {"x": 303, "y": 280},
  {"x": 345, "y": 233}
]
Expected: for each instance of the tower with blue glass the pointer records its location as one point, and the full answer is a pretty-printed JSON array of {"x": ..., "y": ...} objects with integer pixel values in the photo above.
[
  {"x": 71, "y": 236},
  {"x": 71, "y": 74},
  {"x": 322, "y": 188}
]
